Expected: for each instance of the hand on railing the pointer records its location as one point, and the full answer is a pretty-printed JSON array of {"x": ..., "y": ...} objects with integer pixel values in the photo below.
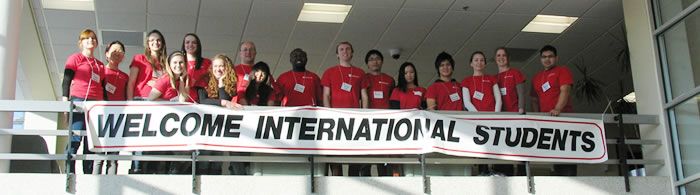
[{"x": 65, "y": 114}]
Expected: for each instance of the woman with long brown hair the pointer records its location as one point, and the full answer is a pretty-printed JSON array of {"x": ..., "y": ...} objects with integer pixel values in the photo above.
[{"x": 146, "y": 68}]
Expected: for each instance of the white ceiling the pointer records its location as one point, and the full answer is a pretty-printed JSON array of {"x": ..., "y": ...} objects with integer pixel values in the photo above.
[{"x": 420, "y": 28}]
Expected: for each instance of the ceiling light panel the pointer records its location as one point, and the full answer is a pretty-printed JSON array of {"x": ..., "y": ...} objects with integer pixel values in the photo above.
[
  {"x": 549, "y": 24},
  {"x": 80, "y": 5},
  {"x": 321, "y": 12}
]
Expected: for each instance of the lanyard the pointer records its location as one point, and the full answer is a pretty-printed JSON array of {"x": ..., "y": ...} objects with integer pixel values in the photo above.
[
  {"x": 303, "y": 78},
  {"x": 340, "y": 69}
]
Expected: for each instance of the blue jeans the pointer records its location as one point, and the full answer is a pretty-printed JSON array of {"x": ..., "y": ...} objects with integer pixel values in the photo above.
[
  {"x": 137, "y": 167},
  {"x": 78, "y": 123}
]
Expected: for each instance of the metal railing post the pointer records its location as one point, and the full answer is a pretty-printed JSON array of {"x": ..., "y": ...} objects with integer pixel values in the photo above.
[
  {"x": 426, "y": 180},
  {"x": 530, "y": 178},
  {"x": 195, "y": 183},
  {"x": 313, "y": 173},
  {"x": 621, "y": 152},
  {"x": 70, "y": 176}
]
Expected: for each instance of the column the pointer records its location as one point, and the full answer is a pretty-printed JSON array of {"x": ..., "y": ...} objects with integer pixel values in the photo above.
[
  {"x": 647, "y": 83},
  {"x": 10, "y": 12}
]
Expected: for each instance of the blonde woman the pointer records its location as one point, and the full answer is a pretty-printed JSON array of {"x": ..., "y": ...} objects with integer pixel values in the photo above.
[{"x": 176, "y": 84}]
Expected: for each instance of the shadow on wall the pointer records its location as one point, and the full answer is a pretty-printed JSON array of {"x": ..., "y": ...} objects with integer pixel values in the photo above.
[{"x": 31, "y": 144}]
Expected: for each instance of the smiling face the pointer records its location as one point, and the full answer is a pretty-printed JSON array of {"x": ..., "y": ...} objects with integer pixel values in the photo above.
[
  {"x": 177, "y": 64},
  {"x": 247, "y": 53},
  {"x": 445, "y": 69},
  {"x": 89, "y": 42},
  {"x": 191, "y": 43},
  {"x": 344, "y": 52},
  {"x": 259, "y": 76},
  {"x": 502, "y": 58},
  {"x": 478, "y": 62},
  {"x": 155, "y": 42},
  {"x": 218, "y": 67}
]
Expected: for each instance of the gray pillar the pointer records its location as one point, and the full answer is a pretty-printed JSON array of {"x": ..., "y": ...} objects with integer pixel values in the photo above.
[
  {"x": 646, "y": 77},
  {"x": 10, "y": 12}
]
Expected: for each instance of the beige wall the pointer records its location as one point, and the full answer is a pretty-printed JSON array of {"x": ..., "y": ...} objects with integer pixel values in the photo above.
[{"x": 647, "y": 82}]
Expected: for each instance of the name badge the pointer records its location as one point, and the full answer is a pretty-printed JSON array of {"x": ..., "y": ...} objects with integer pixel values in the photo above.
[
  {"x": 110, "y": 88},
  {"x": 378, "y": 94},
  {"x": 418, "y": 93},
  {"x": 346, "y": 87},
  {"x": 478, "y": 95},
  {"x": 298, "y": 87},
  {"x": 545, "y": 86},
  {"x": 454, "y": 97},
  {"x": 246, "y": 77},
  {"x": 503, "y": 91},
  {"x": 95, "y": 77}
]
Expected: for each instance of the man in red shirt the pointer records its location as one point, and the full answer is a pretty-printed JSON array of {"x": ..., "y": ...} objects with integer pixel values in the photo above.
[
  {"x": 342, "y": 83},
  {"x": 299, "y": 87},
  {"x": 246, "y": 54},
  {"x": 552, "y": 87},
  {"x": 380, "y": 84},
  {"x": 445, "y": 93},
  {"x": 343, "y": 88}
]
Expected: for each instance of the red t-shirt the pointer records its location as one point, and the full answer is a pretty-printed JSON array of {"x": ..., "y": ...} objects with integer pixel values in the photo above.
[
  {"x": 345, "y": 84},
  {"x": 115, "y": 84},
  {"x": 410, "y": 99},
  {"x": 507, "y": 81},
  {"x": 481, "y": 91},
  {"x": 87, "y": 81},
  {"x": 201, "y": 75},
  {"x": 145, "y": 74},
  {"x": 447, "y": 95},
  {"x": 272, "y": 96},
  {"x": 170, "y": 94},
  {"x": 308, "y": 92},
  {"x": 379, "y": 89},
  {"x": 547, "y": 85}
]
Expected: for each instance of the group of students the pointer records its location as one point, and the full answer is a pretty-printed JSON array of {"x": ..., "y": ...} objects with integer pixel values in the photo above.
[{"x": 186, "y": 76}]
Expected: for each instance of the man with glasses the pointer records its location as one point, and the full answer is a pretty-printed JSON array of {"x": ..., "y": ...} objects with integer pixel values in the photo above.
[{"x": 551, "y": 93}]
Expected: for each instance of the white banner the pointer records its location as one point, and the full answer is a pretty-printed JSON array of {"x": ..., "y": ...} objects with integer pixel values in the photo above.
[{"x": 159, "y": 126}]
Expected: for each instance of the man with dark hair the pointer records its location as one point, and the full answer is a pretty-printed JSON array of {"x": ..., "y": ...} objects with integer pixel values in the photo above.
[
  {"x": 551, "y": 89},
  {"x": 552, "y": 85},
  {"x": 445, "y": 93},
  {"x": 380, "y": 84},
  {"x": 299, "y": 86},
  {"x": 379, "y": 90}
]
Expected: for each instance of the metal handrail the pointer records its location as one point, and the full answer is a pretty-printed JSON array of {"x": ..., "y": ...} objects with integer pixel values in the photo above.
[
  {"x": 61, "y": 132},
  {"x": 62, "y": 106},
  {"x": 294, "y": 159},
  {"x": 70, "y": 107}
]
